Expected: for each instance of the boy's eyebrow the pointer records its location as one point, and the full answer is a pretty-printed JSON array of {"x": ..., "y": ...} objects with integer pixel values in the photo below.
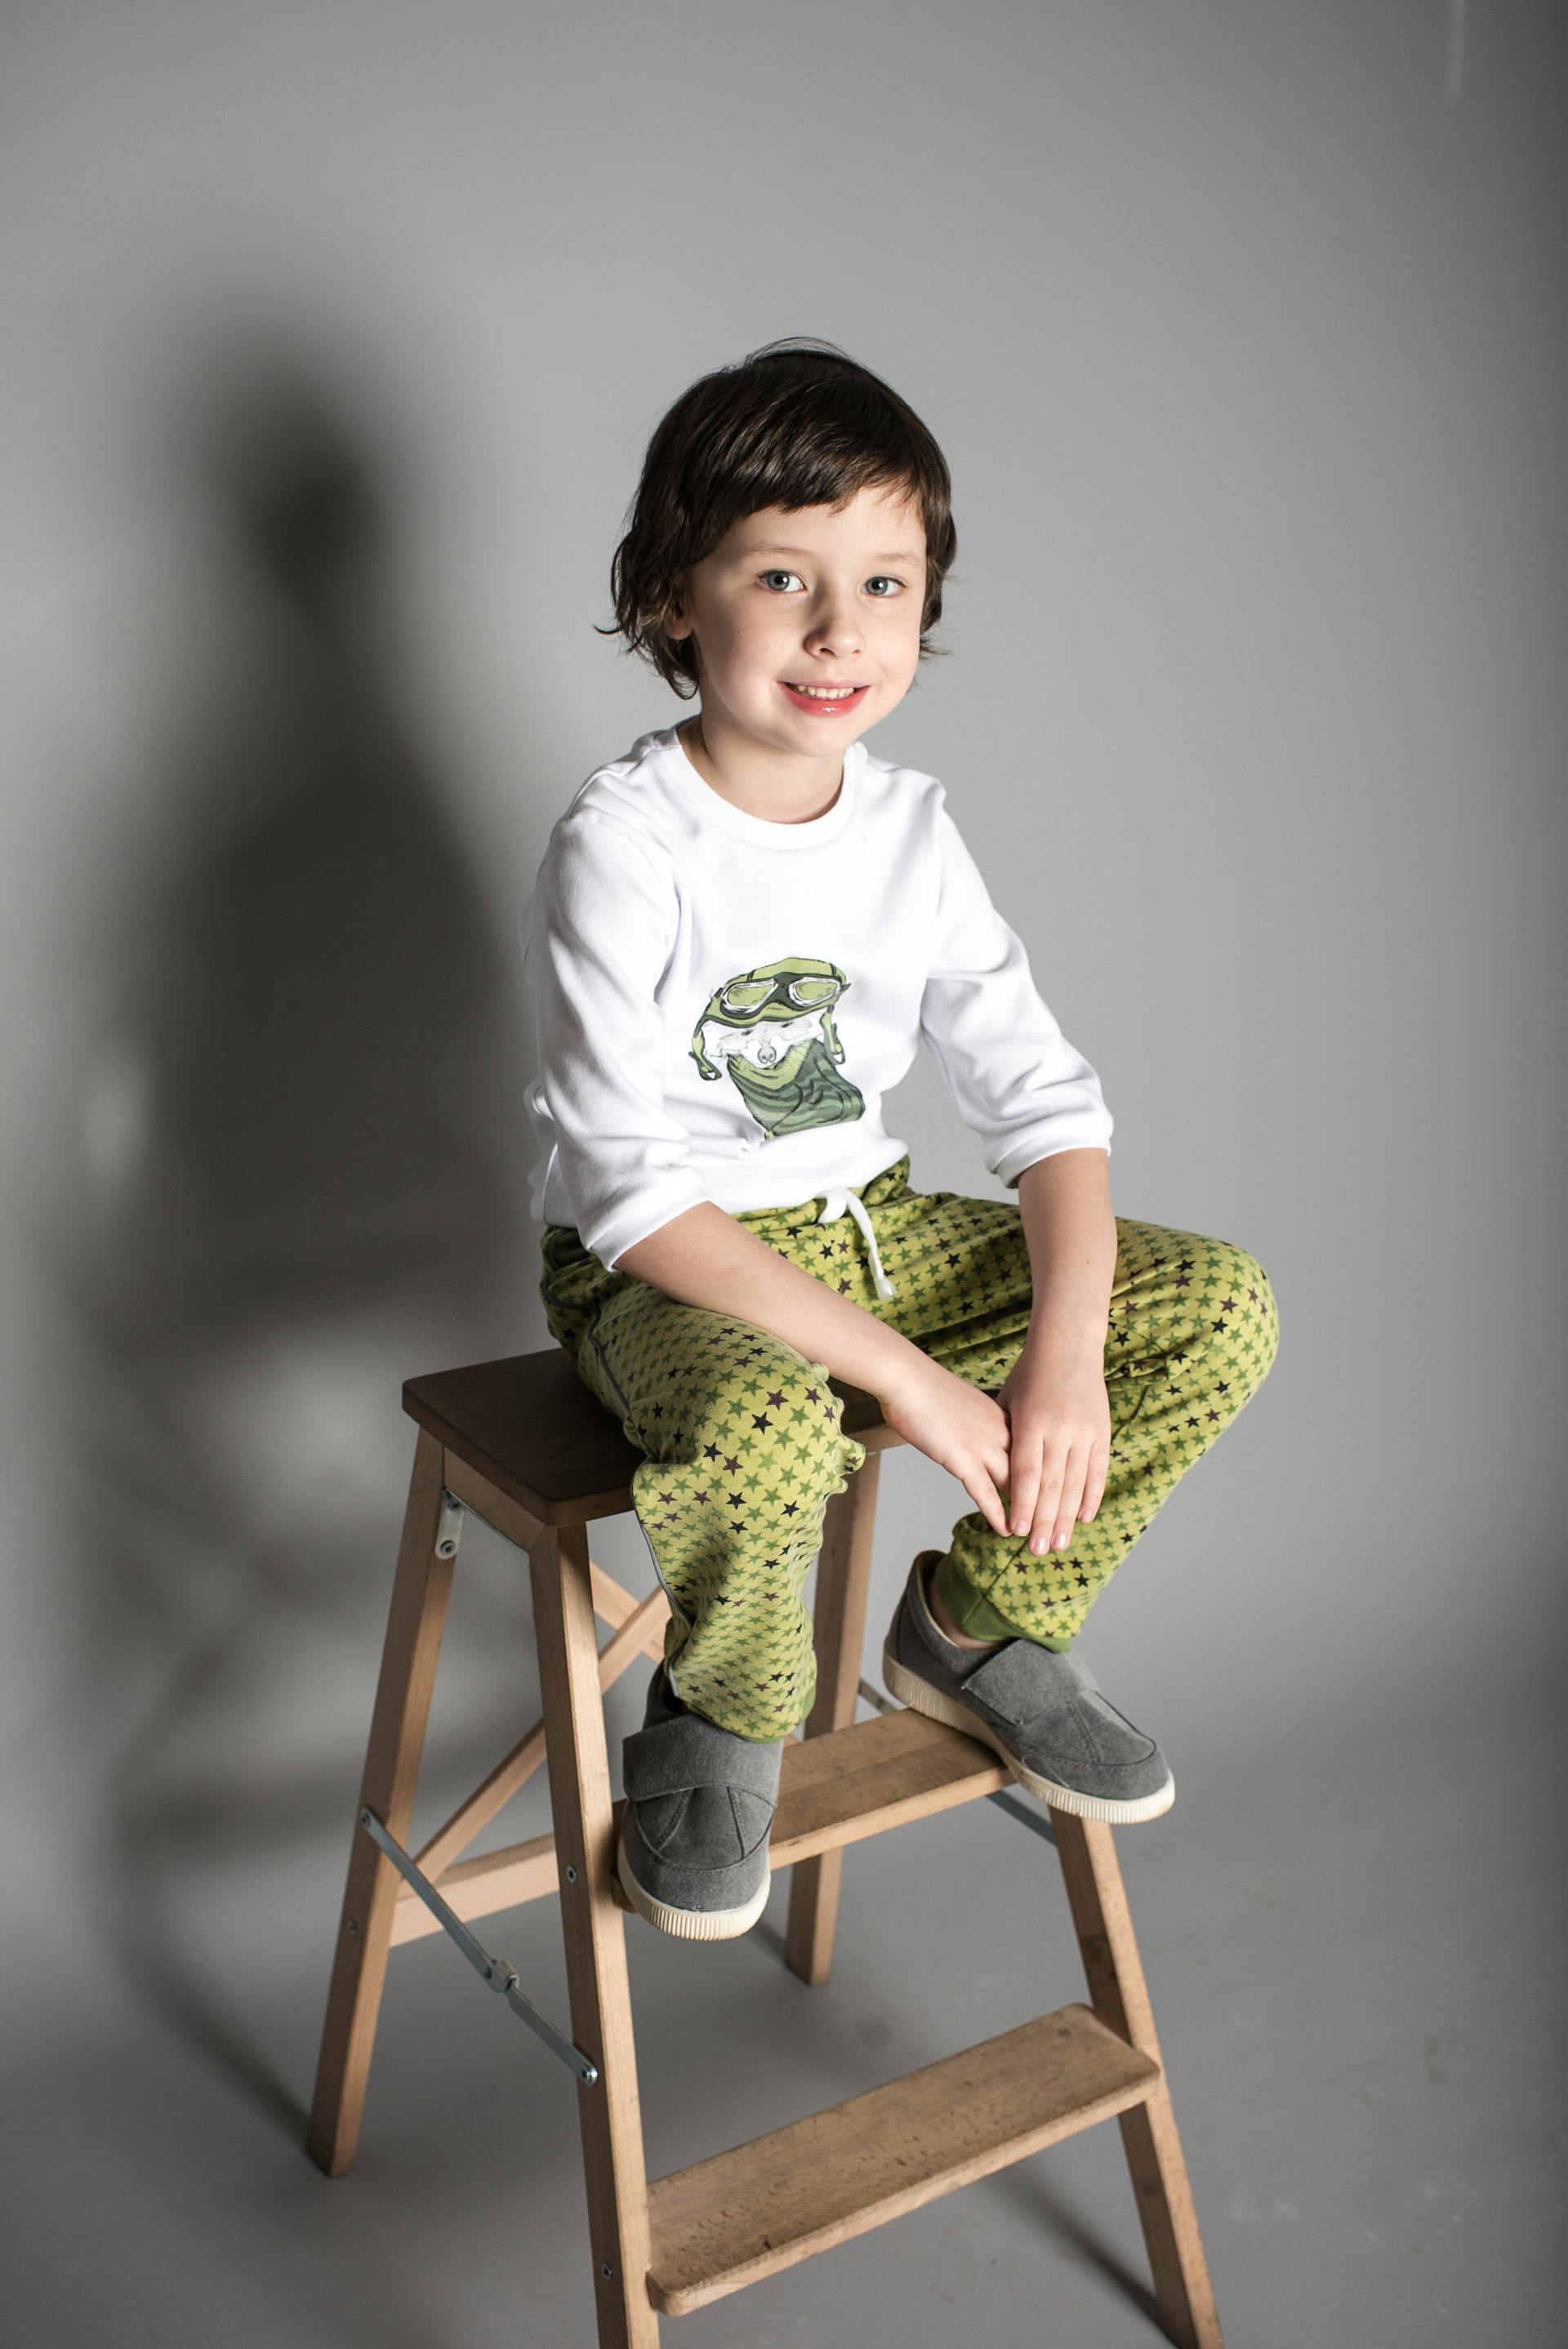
[{"x": 896, "y": 554}]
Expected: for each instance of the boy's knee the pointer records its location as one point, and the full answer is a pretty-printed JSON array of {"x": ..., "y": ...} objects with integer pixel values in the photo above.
[
  {"x": 800, "y": 1411},
  {"x": 768, "y": 1408},
  {"x": 1246, "y": 1320}
]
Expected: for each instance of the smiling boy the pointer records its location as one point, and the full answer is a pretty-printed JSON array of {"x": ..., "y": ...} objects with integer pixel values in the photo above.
[
  {"x": 809, "y": 626},
  {"x": 740, "y": 933}
]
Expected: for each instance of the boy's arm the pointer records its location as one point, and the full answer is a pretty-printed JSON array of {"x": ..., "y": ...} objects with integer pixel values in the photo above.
[
  {"x": 602, "y": 926},
  {"x": 706, "y": 1258},
  {"x": 1065, "y": 1203},
  {"x": 1058, "y": 1410}
]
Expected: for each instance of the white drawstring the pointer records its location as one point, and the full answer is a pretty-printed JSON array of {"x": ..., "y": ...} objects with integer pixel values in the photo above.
[{"x": 833, "y": 1206}]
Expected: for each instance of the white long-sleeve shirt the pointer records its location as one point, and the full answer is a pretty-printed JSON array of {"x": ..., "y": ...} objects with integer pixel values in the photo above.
[{"x": 722, "y": 1001}]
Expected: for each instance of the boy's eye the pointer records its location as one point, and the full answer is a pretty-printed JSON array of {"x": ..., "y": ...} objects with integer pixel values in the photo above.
[{"x": 883, "y": 585}]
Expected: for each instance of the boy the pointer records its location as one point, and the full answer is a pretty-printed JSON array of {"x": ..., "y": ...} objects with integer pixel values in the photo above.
[{"x": 740, "y": 932}]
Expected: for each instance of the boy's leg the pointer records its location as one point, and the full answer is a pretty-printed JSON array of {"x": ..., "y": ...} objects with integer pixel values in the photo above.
[
  {"x": 727, "y": 1410},
  {"x": 744, "y": 1447},
  {"x": 1192, "y": 1331}
]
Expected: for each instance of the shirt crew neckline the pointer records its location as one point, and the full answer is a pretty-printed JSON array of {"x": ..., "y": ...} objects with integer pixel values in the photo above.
[{"x": 759, "y": 830}]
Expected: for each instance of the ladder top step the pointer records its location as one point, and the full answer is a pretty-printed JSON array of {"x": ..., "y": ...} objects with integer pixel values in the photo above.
[
  {"x": 737, "y": 2216},
  {"x": 528, "y": 1424}
]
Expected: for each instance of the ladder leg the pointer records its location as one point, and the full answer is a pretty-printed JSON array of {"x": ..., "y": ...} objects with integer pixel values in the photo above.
[
  {"x": 1119, "y": 1996},
  {"x": 594, "y": 1936},
  {"x": 844, "y": 1574},
  {"x": 414, "y": 1627}
]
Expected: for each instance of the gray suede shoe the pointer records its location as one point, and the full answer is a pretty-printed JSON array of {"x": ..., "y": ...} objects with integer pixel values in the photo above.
[
  {"x": 693, "y": 1854},
  {"x": 1041, "y": 1712}
]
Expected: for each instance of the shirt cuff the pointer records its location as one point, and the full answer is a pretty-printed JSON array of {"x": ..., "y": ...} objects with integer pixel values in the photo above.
[
  {"x": 1046, "y": 1140},
  {"x": 636, "y": 1219}
]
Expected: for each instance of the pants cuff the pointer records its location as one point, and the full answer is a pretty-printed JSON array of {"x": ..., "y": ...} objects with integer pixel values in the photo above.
[{"x": 973, "y": 1611}]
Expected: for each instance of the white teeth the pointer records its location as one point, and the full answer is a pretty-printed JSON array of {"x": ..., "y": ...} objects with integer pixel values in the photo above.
[{"x": 826, "y": 693}]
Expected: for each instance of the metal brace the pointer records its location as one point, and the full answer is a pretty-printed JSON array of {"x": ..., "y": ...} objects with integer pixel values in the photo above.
[
  {"x": 450, "y": 1526},
  {"x": 1038, "y": 1823},
  {"x": 497, "y": 1972}
]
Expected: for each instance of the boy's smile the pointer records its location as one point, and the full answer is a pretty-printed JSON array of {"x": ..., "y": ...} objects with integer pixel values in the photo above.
[{"x": 806, "y": 628}]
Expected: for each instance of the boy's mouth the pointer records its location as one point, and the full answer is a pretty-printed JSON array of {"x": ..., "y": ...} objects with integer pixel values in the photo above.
[{"x": 822, "y": 701}]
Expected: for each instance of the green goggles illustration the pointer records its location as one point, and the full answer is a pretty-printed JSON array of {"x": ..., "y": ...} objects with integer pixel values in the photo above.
[
  {"x": 769, "y": 1021},
  {"x": 748, "y": 996}
]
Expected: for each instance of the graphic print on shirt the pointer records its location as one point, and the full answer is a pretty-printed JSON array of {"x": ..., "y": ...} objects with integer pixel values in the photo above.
[{"x": 772, "y": 1029}]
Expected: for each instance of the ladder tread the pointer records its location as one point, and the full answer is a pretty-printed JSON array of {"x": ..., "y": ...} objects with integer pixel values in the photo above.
[
  {"x": 874, "y": 1775},
  {"x": 726, "y": 2221}
]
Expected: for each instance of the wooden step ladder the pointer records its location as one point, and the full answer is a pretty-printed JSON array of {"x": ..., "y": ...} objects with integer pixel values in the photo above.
[{"x": 524, "y": 1445}]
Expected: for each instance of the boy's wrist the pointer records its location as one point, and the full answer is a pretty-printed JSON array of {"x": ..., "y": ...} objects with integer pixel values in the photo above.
[
  {"x": 895, "y": 1363},
  {"x": 866, "y": 1352},
  {"x": 1058, "y": 1329}
]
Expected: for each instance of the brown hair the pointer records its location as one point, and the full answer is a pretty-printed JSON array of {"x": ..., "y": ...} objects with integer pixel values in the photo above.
[{"x": 797, "y": 423}]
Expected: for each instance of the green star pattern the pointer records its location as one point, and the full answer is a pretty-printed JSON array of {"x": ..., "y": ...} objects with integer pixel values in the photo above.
[{"x": 744, "y": 1445}]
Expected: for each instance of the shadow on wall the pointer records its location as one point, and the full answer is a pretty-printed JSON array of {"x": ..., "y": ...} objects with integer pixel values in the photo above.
[{"x": 306, "y": 1181}]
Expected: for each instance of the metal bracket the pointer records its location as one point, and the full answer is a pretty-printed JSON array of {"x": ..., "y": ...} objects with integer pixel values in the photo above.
[
  {"x": 450, "y": 1526},
  {"x": 500, "y": 1975},
  {"x": 1037, "y": 1822}
]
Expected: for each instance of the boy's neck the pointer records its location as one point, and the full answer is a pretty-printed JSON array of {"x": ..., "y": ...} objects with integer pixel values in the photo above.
[{"x": 779, "y": 790}]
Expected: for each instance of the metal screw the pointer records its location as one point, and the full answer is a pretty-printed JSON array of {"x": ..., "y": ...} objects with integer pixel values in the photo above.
[
  {"x": 352, "y": 1927},
  {"x": 572, "y": 1879},
  {"x": 605, "y": 2269}
]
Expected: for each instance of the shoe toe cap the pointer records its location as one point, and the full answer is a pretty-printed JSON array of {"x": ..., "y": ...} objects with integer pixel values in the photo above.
[{"x": 704, "y": 1826}]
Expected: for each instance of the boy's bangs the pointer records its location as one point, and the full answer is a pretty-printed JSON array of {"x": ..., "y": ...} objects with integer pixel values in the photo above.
[
  {"x": 798, "y": 478},
  {"x": 816, "y": 443}
]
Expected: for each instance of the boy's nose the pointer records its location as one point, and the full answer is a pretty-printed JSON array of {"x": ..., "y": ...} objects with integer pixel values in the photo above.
[{"x": 835, "y": 629}]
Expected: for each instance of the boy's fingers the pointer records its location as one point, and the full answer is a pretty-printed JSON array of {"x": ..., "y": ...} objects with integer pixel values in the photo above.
[
  {"x": 1022, "y": 1490},
  {"x": 983, "y": 1494},
  {"x": 1071, "y": 1500},
  {"x": 1094, "y": 1484},
  {"x": 1046, "y": 1501}
]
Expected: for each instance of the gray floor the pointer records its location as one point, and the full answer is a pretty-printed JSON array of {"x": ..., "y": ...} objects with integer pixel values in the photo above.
[{"x": 1346, "y": 1944}]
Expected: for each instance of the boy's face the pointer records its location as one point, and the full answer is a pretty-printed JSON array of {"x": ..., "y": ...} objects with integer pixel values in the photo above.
[{"x": 808, "y": 596}]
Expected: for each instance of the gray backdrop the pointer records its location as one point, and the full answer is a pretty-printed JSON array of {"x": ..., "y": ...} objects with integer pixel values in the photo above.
[{"x": 333, "y": 337}]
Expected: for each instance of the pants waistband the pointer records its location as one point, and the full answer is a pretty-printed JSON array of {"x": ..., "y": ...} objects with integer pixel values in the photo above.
[{"x": 845, "y": 1199}]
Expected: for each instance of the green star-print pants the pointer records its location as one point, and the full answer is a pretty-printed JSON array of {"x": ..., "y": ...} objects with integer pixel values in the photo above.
[{"x": 744, "y": 1442}]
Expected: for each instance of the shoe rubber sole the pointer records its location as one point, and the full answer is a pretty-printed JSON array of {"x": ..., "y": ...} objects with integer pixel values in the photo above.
[
  {"x": 691, "y": 1924},
  {"x": 921, "y": 1697}
]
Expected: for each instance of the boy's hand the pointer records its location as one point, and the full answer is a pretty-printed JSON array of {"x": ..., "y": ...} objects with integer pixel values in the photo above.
[
  {"x": 1058, "y": 1417},
  {"x": 960, "y": 1427}
]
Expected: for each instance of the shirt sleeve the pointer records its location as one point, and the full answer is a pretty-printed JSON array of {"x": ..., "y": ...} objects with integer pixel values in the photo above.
[
  {"x": 598, "y": 933},
  {"x": 1013, "y": 1078}
]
